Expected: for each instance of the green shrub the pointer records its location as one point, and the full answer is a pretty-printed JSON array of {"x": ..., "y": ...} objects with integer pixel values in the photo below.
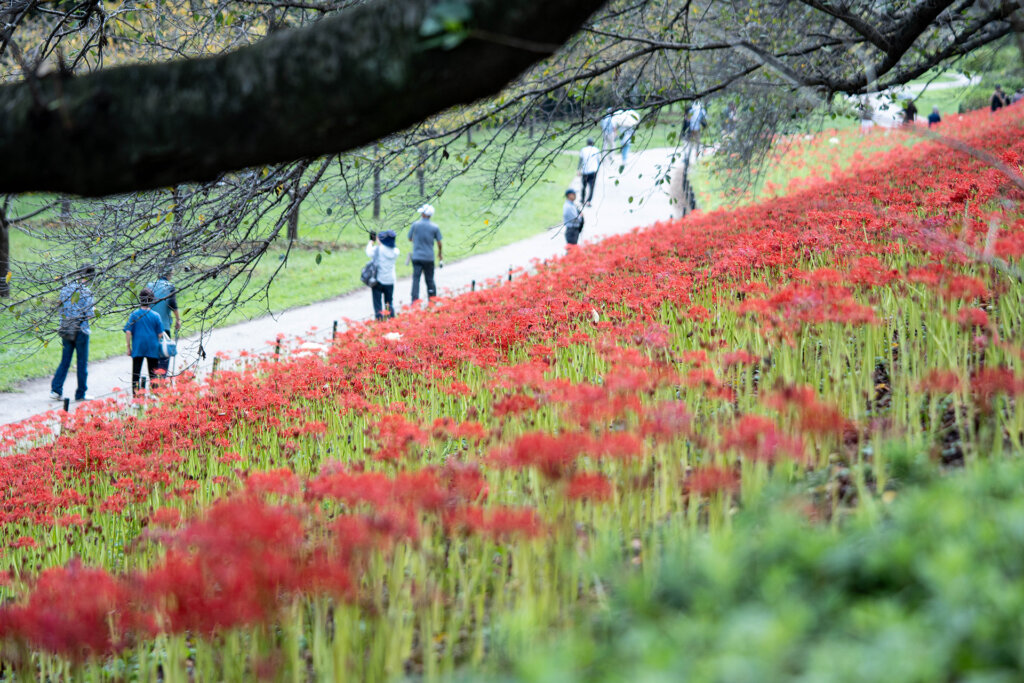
[{"x": 932, "y": 590}]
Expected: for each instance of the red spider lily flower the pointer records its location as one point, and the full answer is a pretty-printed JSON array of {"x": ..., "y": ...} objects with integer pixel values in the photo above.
[
  {"x": 698, "y": 357},
  {"x": 554, "y": 456},
  {"x": 167, "y": 518},
  {"x": 522, "y": 375},
  {"x": 698, "y": 314},
  {"x": 965, "y": 287},
  {"x": 942, "y": 382},
  {"x": 988, "y": 382},
  {"x": 71, "y": 611},
  {"x": 395, "y": 435},
  {"x": 739, "y": 357},
  {"x": 443, "y": 428},
  {"x": 230, "y": 569},
  {"x": 71, "y": 520},
  {"x": 709, "y": 480},
  {"x": 618, "y": 445},
  {"x": 813, "y": 415},
  {"x": 756, "y": 437},
  {"x": 970, "y": 318},
  {"x": 280, "y": 482},
  {"x": 868, "y": 271},
  {"x": 666, "y": 421},
  {"x": 589, "y": 486},
  {"x": 457, "y": 389},
  {"x": 499, "y": 523},
  {"x": 464, "y": 483},
  {"x": 513, "y": 405},
  {"x": 351, "y": 488},
  {"x": 24, "y": 542}
]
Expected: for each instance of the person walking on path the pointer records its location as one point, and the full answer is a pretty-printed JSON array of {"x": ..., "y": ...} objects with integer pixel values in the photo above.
[
  {"x": 626, "y": 122},
  {"x": 423, "y": 234},
  {"x": 867, "y": 116},
  {"x": 142, "y": 337},
  {"x": 999, "y": 99},
  {"x": 572, "y": 218},
  {"x": 909, "y": 113},
  {"x": 384, "y": 253},
  {"x": 76, "y": 307},
  {"x": 607, "y": 131},
  {"x": 165, "y": 305},
  {"x": 590, "y": 160},
  {"x": 697, "y": 121},
  {"x": 934, "y": 118}
]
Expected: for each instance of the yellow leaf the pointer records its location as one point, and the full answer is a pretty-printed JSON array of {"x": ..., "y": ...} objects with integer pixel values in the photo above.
[{"x": 8, "y": 278}]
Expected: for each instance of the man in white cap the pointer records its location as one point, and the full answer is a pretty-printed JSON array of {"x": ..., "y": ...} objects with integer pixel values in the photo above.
[{"x": 423, "y": 234}]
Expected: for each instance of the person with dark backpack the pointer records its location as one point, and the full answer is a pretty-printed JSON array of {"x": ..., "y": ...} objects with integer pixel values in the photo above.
[{"x": 76, "y": 307}]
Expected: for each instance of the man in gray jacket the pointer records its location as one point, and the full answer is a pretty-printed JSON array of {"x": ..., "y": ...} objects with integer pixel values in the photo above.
[
  {"x": 572, "y": 217},
  {"x": 423, "y": 234}
]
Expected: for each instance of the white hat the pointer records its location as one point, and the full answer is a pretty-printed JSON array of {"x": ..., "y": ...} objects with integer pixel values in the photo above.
[{"x": 426, "y": 210}]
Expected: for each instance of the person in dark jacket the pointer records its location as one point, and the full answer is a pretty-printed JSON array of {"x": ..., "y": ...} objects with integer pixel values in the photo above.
[{"x": 999, "y": 99}]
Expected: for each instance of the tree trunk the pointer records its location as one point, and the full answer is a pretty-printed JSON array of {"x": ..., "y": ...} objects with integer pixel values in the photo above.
[
  {"x": 376, "y": 192},
  {"x": 293, "y": 222},
  {"x": 421, "y": 175},
  {"x": 176, "y": 227},
  {"x": 5, "y": 255}
]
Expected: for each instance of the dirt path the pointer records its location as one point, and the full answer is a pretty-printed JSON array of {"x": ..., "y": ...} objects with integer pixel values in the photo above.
[
  {"x": 888, "y": 113},
  {"x": 617, "y": 208}
]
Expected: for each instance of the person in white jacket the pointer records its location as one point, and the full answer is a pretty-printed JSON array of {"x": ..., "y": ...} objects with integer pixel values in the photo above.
[{"x": 384, "y": 253}]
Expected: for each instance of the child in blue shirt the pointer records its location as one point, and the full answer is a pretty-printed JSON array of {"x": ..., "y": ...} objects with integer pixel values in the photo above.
[{"x": 142, "y": 335}]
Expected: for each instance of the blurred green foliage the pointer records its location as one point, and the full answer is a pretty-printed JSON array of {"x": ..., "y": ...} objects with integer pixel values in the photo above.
[{"x": 929, "y": 587}]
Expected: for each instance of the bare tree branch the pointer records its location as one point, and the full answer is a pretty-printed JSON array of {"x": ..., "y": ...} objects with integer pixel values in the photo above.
[{"x": 340, "y": 84}]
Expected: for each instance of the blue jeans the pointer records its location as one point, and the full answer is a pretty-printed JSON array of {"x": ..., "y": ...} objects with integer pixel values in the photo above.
[
  {"x": 383, "y": 294},
  {"x": 80, "y": 347}
]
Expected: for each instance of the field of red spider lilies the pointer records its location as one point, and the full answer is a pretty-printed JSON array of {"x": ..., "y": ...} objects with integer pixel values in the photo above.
[{"x": 430, "y": 489}]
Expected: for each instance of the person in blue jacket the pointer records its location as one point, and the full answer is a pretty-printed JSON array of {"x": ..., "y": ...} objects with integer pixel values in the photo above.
[{"x": 142, "y": 335}]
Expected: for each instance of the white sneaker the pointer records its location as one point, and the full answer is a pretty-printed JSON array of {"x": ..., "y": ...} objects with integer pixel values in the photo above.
[
  {"x": 87, "y": 397},
  {"x": 54, "y": 396}
]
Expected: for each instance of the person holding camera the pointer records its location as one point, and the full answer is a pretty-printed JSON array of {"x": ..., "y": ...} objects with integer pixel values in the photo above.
[
  {"x": 572, "y": 218},
  {"x": 384, "y": 253}
]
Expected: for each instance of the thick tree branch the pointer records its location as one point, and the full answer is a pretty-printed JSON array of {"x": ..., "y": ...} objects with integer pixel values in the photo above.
[{"x": 340, "y": 84}]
